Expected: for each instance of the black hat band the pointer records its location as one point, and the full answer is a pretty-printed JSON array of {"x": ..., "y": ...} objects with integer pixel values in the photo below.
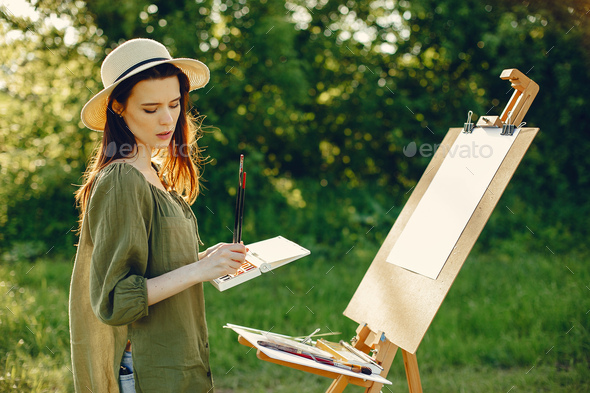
[{"x": 139, "y": 65}]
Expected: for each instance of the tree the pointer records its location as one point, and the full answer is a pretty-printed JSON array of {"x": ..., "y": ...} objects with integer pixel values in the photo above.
[
  {"x": 322, "y": 97},
  {"x": 46, "y": 63}
]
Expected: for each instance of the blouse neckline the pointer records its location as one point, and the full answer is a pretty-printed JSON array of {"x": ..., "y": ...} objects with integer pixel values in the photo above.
[{"x": 171, "y": 193}]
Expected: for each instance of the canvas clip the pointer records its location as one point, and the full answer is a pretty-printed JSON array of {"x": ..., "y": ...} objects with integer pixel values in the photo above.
[
  {"x": 468, "y": 127},
  {"x": 507, "y": 128}
]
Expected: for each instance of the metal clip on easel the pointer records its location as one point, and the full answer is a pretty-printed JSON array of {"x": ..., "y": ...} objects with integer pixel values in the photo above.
[
  {"x": 468, "y": 127},
  {"x": 507, "y": 128}
]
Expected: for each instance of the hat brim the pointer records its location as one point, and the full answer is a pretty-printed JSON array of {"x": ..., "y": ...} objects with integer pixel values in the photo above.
[{"x": 94, "y": 114}]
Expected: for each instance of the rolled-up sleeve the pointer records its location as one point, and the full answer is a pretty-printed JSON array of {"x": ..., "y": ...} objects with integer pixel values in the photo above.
[{"x": 119, "y": 216}]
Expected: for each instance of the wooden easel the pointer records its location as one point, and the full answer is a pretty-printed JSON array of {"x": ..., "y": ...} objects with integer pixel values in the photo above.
[
  {"x": 367, "y": 340},
  {"x": 525, "y": 91},
  {"x": 393, "y": 306}
]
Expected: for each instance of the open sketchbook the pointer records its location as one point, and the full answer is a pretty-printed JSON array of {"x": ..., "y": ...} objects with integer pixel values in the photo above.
[{"x": 262, "y": 257}]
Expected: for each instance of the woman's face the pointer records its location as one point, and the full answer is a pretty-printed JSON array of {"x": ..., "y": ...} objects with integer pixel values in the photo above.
[{"x": 152, "y": 111}]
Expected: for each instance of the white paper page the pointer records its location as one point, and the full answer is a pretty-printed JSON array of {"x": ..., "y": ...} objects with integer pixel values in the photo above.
[
  {"x": 276, "y": 249},
  {"x": 253, "y": 338},
  {"x": 448, "y": 204}
]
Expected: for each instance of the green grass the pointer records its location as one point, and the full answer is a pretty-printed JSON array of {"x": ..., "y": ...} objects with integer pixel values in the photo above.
[
  {"x": 512, "y": 320},
  {"x": 34, "y": 332}
]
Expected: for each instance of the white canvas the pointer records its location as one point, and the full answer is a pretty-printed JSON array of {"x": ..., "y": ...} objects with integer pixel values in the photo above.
[{"x": 447, "y": 205}]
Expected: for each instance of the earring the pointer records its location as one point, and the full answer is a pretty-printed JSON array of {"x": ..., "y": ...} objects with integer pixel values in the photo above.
[{"x": 114, "y": 112}]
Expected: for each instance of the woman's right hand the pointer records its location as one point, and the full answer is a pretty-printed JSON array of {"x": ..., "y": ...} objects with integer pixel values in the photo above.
[
  {"x": 224, "y": 258},
  {"x": 220, "y": 260}
]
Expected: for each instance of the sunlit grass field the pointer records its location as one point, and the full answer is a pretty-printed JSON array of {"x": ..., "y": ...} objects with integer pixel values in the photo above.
[{"x": 514, "y": 321}]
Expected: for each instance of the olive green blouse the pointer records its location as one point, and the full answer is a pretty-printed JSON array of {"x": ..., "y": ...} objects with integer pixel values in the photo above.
[{"x": 133, "y": 231}]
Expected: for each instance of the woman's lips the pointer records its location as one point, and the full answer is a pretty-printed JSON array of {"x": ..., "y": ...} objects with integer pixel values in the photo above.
[{"x": 165, "y": 135}]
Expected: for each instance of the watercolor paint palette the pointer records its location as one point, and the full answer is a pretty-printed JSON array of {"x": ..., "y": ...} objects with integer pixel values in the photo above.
[{"x": 262, "y": 257}]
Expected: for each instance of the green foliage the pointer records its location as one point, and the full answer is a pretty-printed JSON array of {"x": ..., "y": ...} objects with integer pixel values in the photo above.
[
  {"x": 327, "y": 96},
  {"x": 43, "y": 145}
]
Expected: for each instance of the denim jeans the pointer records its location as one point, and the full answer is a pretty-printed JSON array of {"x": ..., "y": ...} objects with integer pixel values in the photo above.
[{"x": 127, "y": 382}]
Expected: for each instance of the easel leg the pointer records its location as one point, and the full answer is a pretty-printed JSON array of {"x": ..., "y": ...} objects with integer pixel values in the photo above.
[
  {"x": 412, "y": 373},
  {"x": 338, "y": 385},
  {"x": 386, "y": 350},
  {"x": 385, "y": 356}
]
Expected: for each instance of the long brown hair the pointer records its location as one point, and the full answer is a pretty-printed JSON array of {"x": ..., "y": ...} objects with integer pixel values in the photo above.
[{"x": 180, "y": 164}]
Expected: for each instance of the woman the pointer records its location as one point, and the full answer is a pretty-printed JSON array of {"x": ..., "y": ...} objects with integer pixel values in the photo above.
[{"x": 136, "y": 290}]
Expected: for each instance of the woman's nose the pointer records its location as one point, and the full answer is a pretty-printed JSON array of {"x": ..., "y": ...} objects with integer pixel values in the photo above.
[{"x": 166, "y": 117}]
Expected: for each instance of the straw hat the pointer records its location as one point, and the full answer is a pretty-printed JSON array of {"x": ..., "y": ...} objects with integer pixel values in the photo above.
[{"x": 128, "y": 59}]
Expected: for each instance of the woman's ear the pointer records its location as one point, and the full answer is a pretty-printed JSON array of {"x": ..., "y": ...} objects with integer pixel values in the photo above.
[{"x": 118, "y": 107}]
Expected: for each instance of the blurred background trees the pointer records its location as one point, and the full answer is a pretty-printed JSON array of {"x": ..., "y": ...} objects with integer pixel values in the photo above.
[{"x": 321, "y": 97}]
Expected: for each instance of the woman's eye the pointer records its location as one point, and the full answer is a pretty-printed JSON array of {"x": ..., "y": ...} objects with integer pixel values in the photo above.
[{"x": 154, "y": 111}]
